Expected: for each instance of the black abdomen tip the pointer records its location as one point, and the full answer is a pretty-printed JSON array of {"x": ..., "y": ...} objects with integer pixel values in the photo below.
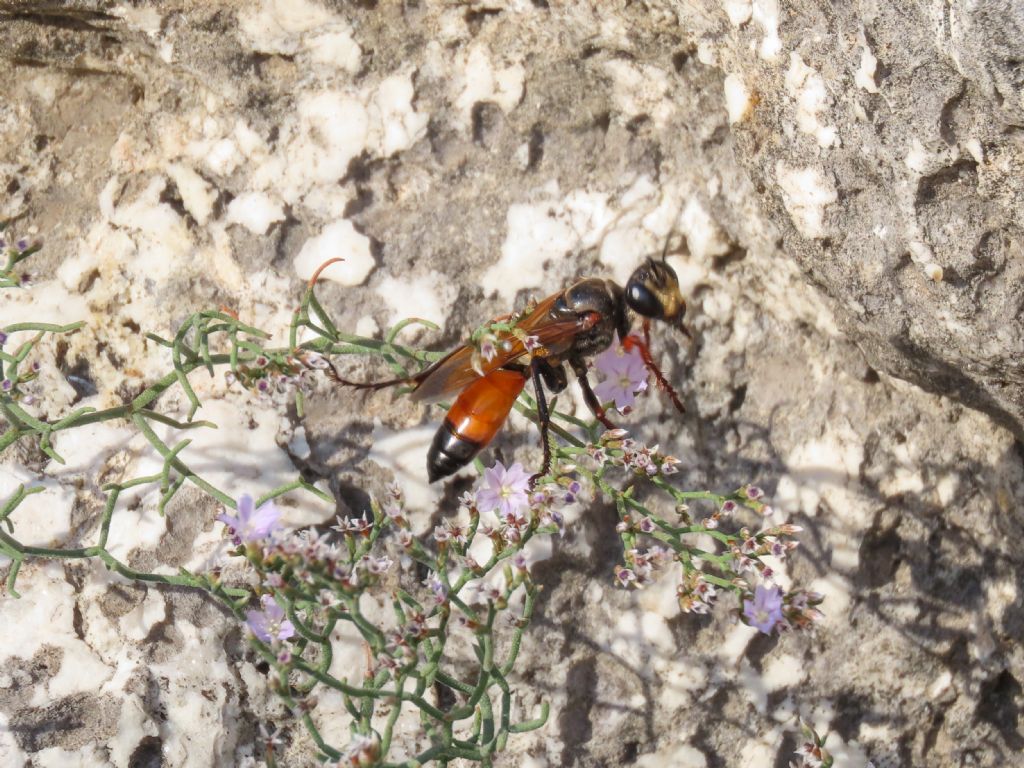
[{"x": 449, "y": 453}]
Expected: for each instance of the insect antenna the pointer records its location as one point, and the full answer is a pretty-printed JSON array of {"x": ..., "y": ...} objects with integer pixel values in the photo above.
[{"x": 332, "y": 372}]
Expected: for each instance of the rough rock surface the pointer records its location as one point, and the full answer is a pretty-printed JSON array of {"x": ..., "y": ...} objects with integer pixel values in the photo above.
[{"x": 840, "y": 186}]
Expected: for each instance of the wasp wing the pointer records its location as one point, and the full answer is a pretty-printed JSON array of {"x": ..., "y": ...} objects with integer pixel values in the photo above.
[{"x": 454, "y": 372}]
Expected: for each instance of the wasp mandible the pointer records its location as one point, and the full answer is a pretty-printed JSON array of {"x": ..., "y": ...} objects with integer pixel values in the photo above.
[{"x": 566, "y": 327}]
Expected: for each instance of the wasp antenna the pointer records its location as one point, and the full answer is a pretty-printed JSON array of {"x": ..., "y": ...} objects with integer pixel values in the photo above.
[
  {"x": 332, "y": 372},
  {"x": 664, "y": 251}
]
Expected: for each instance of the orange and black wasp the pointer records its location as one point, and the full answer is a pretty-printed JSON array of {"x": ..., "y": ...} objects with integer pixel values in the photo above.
[{"x": 566, "y": 327}]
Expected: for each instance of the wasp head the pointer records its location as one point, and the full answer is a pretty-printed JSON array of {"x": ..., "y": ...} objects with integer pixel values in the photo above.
[{"x": 653, "y": 291}]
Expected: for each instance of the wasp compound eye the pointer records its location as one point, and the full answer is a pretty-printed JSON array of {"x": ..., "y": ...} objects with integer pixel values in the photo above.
[{"x": 643, "y": 300}]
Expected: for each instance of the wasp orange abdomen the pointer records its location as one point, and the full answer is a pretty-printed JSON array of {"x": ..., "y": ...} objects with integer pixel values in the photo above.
[{"x": 473, "y": 421}]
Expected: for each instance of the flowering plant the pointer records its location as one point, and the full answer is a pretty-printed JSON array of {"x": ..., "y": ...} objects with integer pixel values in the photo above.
[{"x": 469, "y": 579}]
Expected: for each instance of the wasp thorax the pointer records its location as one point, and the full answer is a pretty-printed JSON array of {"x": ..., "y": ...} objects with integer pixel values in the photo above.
[{"x": 653, "y": 291}]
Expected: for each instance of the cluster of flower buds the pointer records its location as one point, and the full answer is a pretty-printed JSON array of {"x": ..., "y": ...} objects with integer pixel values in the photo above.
[
  {"x": 800, "y": 608},
  {"x": 748, "y": 550},
  {"x": 14, "y": 387},
  {"x": 812, "y": 751},
  {"x": 615, "y": 449},
  {"x": 272, "y": 377},
  {"x": 695, "y": 593},
  {"x": 363, "y": 751},
  {"x": 13, "y": 252},
  {"x": 640, "y": 566},
  {"x": 449, "y": 531}
]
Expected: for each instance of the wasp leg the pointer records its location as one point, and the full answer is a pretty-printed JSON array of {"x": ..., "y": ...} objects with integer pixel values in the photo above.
[
  {"x": 540, "y": 371},
  {"x": 580, "y": 369},
  {"x": 645, "y": 352}
]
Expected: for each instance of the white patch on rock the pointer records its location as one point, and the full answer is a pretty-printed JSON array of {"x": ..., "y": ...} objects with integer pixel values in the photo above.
[
  {"x": 332, "y": 129},
  {"x": 678, "y": 756},
  {"x": 404, "y": 453},
  {"x": 738, "y": 11},
  {"x": 249, "y": 142},
  {"x": 301, "y": 27},
  {"x": 366, "y": 326},
  {"x": 255, "y": 211},
  {"x": 542, "y": 231},
  {"x": 223, "y": 157},
  {"x": 394, "y": 124},
  {"x": 338, "y": 240},
  {"x": 45, "y": 616},
  {"x": 827, "y": 467},
  {"x": 738, "y": 101},
  {"x": 752, "y": 685},
  {"x": 973, "y": 146},
  {"x": 783, "y": 671},
  {"x": 918, "y": 158},
  {"x": 641, "y": 89},
  {"x": 335, "y": 47},
  {"x": 807, "y": 88},
  {"x": 704, "y": 237},
  {"x": 44, "y": 518},
  {"x": 766, "y": 14},
  {"x": 732, "y": 647},
  {"x": 137, "y": 623},
  {"x": 837, "y": 594},
  {"x": 806, "y": 192},
  {"x": 197, "y": 195},
  {"x": 48, "y": 301},
  {"x": 425, "y": 296},
  {"x": 160, "y": 235},
  {"x": 865, "y": 75},
  {"x": 147, "y": 20},
  {"x": 478, "y": 79},
  {"x": 760, "y": 750}
]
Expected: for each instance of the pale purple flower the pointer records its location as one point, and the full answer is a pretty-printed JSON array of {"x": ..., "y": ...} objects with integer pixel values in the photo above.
[
  {"x": 504, "y": 490},
  {"x": 435, "y": 585},
  {"x": 489, "y": 347},
  {"x": 623, "y": 375},
  {"x": 269, "y": 624},
  {"x": 362, "y": 750},
  {"x": 377, "y": 565},
  {"x": 765, "y": 610},
  {"x": 531, "y": 343},
  {"x": 624, "y": 576},
  {"x": 251, "y": 523}
]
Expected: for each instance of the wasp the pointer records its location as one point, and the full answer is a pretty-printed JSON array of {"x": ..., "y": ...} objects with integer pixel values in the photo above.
[{"x": 564, "y": 328}]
